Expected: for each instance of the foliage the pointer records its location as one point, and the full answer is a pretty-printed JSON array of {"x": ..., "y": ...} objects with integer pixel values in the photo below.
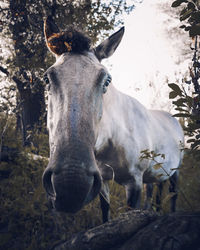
[
  {"x": 27, "y": 220},
  {"x": 21, "y": 28},
  {"x": 188, "y": 104},
  {"x": 191, "y": 13},
  {"x": 154, "y": 157}
]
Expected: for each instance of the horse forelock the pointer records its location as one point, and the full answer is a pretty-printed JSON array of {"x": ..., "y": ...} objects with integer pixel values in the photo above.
[{"x": 69, "y": 40}]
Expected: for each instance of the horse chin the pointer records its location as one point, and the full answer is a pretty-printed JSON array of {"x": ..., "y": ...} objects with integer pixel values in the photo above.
[
  {"x": 74, "y": 200},
  {"x": 61, "y": 205},
  {"x": 64, "y": 207}
]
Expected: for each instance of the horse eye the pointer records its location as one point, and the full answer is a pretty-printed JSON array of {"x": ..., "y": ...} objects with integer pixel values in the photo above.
[{"x": 107, "y": 82}]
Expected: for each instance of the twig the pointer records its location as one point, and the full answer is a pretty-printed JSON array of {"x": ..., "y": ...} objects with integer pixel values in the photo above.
[{"x": 151, "y": 156}]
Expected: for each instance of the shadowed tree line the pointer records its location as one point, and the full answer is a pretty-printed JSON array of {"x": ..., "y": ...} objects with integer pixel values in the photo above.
[
  {"x": 22, "y": 23},
  {"x": 26, "y": 220}
]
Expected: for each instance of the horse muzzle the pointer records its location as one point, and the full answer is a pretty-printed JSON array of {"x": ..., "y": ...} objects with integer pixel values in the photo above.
[{"x": 72, "y": 187}]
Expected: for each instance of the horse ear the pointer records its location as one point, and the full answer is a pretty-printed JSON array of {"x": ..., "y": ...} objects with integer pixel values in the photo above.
[
  {"x": 108, "y": 47},
  {"x": 50, "y": 30}
]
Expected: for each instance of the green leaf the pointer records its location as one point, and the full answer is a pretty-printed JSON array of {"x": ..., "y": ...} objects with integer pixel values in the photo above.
[
  {"x": 176, "y": 3},
  {"x": 173, "y": 94},
  {"x": 187, "y": 29},
  {"x": 158, "y": 176},
  {"x": 196, "y": 15},
  {"x": 186, "y": 15},
  {"x": 157, "y": 166},
  {"x": 195, "y": 30},
  {"x": 182, "y": 115},
  {"x": 180, "y": 102},
  {"x": 163, "y": 156},
  {"x": 189, "y": 101},
  {"x": 174, "y": 168},
  {"x": 175, "y": 87},
  {"x": 180, "y": 109},
  {"x": 191, "y": 140},
  {"x": 196, "y": 144},
  {"x": 183, "y": 11}
]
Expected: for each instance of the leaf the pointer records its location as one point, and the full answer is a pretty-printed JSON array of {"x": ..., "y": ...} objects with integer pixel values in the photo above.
[
  {"x": 180, "y": 102},
  {"x": 163, "y": 156},
  {"x": 187, "y": 29},
  {"x": 158, "y": 176},
  {"x": 183, "y": 11},
  {"x": 182, "y": 115},
  {"x": 195, "y": 30},
  {"x": 189, "y": 101},
  {"x": 186, "y": 15},
  {"x": 172, "y": 95},
  {"x": 196, "y": 144},
  {"x": 191, "y": 140},
  {"x": 175, "y": 88},
  {"x": 196, "y": 15},
  {"x": 174, "y": 168},
  {"x": 176, "y": 3},
  {"x": 157, "y": 166},
  {"x": 180, "y": 109}
]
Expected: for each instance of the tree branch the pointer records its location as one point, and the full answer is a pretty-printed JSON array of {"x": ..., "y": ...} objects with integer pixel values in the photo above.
[
  {"x": 18, "y": 82},
  {"x": 5, "y": 71}
]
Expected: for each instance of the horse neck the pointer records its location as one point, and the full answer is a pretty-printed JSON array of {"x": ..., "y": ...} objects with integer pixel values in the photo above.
[
  {"x": 119, "y": 111},
  {"x": 112, "y": 109}
]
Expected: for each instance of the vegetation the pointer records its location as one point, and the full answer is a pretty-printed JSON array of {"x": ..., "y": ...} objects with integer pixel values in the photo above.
[
  {"x": 188, "y": 104},
  {"x": 26, "y": 57},
  {"x": 27, "y": 220}
]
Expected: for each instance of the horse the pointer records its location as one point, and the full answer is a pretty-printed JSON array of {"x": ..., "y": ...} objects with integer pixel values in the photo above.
[{"x": 97, "y": 133}]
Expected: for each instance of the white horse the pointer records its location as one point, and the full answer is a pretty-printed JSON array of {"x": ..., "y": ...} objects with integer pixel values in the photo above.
[{"x": 96, "y": 132}]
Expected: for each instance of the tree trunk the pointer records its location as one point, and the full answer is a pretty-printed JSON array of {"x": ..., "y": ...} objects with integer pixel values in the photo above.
[
  {"x": 31, "y": 106},
  {"x": 31, "y": 100},
  {"x": 141, "y": 230}
]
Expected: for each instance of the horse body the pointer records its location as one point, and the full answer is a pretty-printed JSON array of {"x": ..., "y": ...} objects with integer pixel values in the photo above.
[
  {"x": 96, "y": 132},
  {"x": 126, "y": 129}
]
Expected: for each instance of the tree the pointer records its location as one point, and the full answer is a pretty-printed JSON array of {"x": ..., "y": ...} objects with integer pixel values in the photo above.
[
  {"x": 188, "y": 104},
  {"x": 22, "y": 22}
]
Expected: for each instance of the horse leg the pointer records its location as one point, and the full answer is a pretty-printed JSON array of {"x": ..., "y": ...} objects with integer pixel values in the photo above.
[
  {"x": 173, "y": 188},
  {"x": 133, "y": 194},
  {"x": 105, "y": 201},
  {"x": 148, "y": 198},
  {"x": 159, "y": 196}
]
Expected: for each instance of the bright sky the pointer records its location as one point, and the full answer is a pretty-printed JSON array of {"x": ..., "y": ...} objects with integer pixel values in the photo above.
[{"x": 147, "y": 55}]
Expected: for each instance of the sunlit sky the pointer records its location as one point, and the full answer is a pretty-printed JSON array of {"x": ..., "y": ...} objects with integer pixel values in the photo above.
[{"x": 148, "y": 55}]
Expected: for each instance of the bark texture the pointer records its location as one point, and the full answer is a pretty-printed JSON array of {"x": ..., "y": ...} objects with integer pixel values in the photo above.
[{"x": 140, "y": 230}]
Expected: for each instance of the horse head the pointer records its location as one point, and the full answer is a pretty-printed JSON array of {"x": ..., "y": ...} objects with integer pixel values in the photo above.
[{"x": 77, "y": 85}]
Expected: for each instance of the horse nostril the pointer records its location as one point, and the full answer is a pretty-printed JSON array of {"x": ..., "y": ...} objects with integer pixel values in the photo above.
[{"x": 47, "y": 183}]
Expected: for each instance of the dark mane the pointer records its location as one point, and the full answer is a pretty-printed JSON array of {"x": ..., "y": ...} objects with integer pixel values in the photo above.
[{"x": 69, "y": 40}]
